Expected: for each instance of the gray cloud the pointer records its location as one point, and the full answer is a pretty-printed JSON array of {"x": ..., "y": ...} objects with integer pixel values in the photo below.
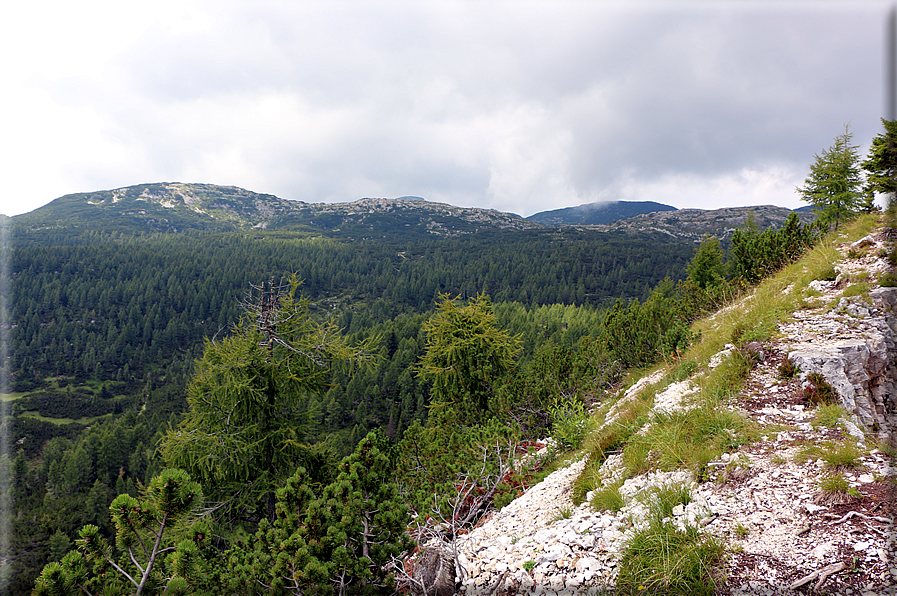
[{"x": 521, "y": 106}]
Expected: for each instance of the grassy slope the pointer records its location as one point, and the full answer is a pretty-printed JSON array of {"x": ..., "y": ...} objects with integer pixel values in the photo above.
[{"x": 692, "y": 440}]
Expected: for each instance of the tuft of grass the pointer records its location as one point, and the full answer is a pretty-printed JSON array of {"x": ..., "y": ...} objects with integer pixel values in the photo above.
[
  {"x": 829, "y": 414},
  {"x": 662, "y": 559},
  {"x": 888, "y": 280},
  {"x": 835, "y": 488},
  {"x": 835, "y": 455},
  {"x": 741, "y": 531},
  {"x": 608, "y": 498},
  {"x": 664, "y": 498},
  {"x": 828, "y": 274},
  {"x": 787, "y": 370},
  {"x": 528, "y": 565},
  {"x": 562, "y": 513},
  {"x": 687, "y": 440},
  {"x": 834, "y": 483},
  {"x": 726, "y": 379},
  {"x": 612, "y": 437},
  {"x": 588, "y": 479},
  {"x": 857, "y": 289},
  {"x": 684, "y": 371}
]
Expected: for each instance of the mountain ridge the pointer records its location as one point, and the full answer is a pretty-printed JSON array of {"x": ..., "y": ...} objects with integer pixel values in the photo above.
[
  {"x": 175, "y": 207},
  {"x": 597, "y": 213}
]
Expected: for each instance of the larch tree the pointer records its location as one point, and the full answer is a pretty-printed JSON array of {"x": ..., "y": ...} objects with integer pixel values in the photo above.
[
  {"x": 244, "y": 433},
  {"x": 881, "y": 164},
  {"x": 466, "y": 353},
  {"x": 834, "y": 186},
  {"x": 706, "y": 268}
]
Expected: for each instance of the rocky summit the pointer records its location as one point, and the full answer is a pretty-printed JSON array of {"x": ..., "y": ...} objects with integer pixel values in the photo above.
[{"x": 783, "y": 533}]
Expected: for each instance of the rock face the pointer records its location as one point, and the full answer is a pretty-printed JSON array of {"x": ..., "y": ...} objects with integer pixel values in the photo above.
[
  {"x": 853, "y": 347},
  {"x": 784, "y": 535}
]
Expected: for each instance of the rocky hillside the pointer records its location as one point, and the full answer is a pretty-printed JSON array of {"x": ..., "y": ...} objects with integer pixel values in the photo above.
[
  {"x": 696, "y": 223},
  {"x": 807, "y": 505},
  {"x": 176, "y": 207},
  {"x": 172, "y": 207}
]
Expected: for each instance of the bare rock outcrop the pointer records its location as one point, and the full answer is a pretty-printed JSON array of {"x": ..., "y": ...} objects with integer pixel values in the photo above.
[{"x": 858, "y": 358}]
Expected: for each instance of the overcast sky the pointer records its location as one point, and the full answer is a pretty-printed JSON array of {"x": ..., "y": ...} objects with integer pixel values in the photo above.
[{"x": 518, "y": 106}]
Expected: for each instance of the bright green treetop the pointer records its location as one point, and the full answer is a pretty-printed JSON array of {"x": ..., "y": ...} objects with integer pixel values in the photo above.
[
  {"x": 834, "y": 186},
  {"x": 881, "y": 165},
  {"x": 706, "y": 268},
  {"x": 466, "y": 353},
  {"x": 145, "y": 558}
]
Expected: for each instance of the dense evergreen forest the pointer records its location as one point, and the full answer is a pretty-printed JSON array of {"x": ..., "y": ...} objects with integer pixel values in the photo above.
[{"x": 107, "y": 327}]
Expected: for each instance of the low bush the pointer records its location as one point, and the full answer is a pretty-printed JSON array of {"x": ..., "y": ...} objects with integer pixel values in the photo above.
[
  {"x": 569, "y": 422},
  {"x": 818, "y": 391}
]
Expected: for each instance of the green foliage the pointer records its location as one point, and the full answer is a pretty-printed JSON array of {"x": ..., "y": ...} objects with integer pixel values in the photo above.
[
  {"x": 706, "y": 267},
  {"x": 638, "y": 334},
  {"x": 829, "y": 414},
  {"x": 856, "y": 289},
  {"x": 754, "y": 255},
  {"x": 787, "y": 370},
  {"x": 142, "y": 534},
  {"x": 570, "y": 423},
  {"x": 555, "y": 373},
  {"x": 881, "y": 164},
  {"x": 664, "y": 559},
  {"x": 663, "y": 498},
  {"x": 835, "y": 454},
  {"x": 466, "y": 355},
  {"x": 835, "y": 182},
  {"x": 688, "y": 440},
  {"x": 818, "y": 391},
  {"x": 244, "y": 432},
  {"x": 834, "y": 483},
  {"x": 440, "y": 459},
  {"x": 608, "y": 498},
  {"x": 338, "y": 543}
]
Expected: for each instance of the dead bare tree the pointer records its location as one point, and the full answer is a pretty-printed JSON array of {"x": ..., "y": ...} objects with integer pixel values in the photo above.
[{"x": 438, "y": 532}]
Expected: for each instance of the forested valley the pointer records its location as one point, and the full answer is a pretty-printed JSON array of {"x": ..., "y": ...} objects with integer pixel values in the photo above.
[{"x": 108, "y": 326}]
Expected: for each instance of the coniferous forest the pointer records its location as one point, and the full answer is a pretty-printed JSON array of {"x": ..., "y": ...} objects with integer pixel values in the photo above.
[{"x": 108, "y": 327}]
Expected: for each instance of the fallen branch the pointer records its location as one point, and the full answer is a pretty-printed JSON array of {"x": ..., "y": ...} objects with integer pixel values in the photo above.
[
  {"x": 822, "y": 574},
  {"x": 876, "y": 530},
  {"x": 498, "y": 584},
  {"x": 849, "y": 514}
]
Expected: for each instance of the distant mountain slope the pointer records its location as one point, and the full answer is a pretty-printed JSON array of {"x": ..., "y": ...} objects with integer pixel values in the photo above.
[
  {"x": 695, "y": 223},
  {"x": 176, "y": 207},
  {"x": 597, "y": 213}
]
